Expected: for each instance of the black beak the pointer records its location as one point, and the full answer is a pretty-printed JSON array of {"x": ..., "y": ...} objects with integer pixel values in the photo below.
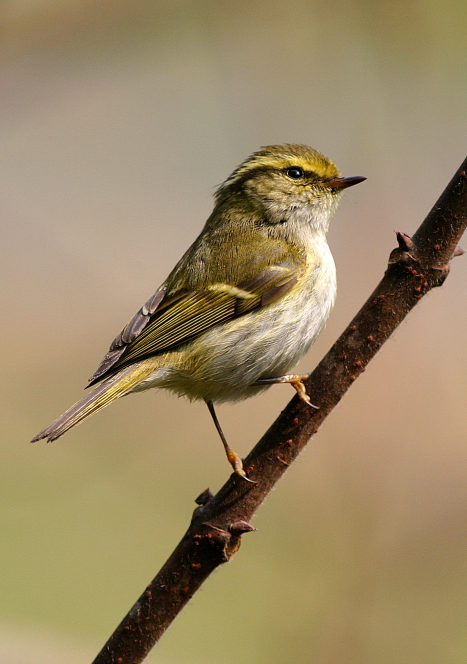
[{"x": 343, "y": 183}]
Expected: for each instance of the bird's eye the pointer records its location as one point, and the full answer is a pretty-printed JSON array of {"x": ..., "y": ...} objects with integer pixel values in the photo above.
[{"x": 294, "y": 172}]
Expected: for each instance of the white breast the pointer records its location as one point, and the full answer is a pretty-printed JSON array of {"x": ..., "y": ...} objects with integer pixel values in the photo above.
[{"x": 268, "y": 342}]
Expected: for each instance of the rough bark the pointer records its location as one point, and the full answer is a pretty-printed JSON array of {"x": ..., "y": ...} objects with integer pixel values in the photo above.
[{"x": 213, "y": 537}]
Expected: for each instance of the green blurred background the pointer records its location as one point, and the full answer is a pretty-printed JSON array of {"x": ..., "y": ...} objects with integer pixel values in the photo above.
[{"x": 118, "y": 118}]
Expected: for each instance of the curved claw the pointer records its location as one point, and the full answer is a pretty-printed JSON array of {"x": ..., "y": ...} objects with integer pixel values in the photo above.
[
  {"x": 295, "y": 380},
  {"x": 238, "y": 470},
  {"x": 247, "y": 479}
]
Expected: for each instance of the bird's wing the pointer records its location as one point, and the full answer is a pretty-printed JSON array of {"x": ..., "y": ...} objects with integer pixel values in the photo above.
[{"x": 167, "y": 321}]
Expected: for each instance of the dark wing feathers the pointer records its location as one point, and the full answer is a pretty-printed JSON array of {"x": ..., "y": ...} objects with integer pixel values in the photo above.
[
  {"x": 139, "y": 321},
  {"x": 278, "y": 290},
  {"x": 109, "y": 361},
  {"x": 154, "y": 301},
  {"x": 127, "y": 335},
  {"x": 167, "y": 321}
]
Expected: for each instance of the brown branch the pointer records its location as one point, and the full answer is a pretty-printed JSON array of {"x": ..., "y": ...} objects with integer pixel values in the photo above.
[{"x": 417, "y": 265}]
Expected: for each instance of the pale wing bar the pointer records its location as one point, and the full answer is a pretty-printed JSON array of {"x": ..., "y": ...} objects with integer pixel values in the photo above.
[{"x": 165, "y": 322}]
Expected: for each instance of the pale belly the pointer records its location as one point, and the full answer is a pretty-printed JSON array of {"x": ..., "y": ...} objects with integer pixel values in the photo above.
[{"x": 222, "y": 364}]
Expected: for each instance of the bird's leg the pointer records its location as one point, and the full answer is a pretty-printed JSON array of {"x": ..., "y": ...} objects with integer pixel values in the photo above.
[
  {"x": 233, "y": 458},
  {"x": 295, "y": 380}
]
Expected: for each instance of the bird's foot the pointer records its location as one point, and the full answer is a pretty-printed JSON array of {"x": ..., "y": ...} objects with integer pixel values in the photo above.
[{"x": 296, "y": 380}]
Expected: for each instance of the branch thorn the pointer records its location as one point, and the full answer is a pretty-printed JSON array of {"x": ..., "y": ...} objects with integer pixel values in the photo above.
[
  {"x": 405, "y": 241},
  {"x": 237, "y": 528},
  {"x": 204, "y": 497}
]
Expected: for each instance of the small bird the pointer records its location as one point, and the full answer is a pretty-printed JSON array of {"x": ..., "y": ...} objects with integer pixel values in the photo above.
[{"x": 244, "y": 303}]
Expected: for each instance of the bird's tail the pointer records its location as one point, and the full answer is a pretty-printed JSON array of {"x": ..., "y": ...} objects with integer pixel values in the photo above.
[{"x": 105, "y": 393}]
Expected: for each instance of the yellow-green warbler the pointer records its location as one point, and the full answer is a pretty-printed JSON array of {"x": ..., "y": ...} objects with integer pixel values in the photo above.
[{"x": 244, "y": 303}]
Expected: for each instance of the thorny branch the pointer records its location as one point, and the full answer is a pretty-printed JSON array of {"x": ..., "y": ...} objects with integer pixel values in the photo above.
[{"x": 213, "y": 537}]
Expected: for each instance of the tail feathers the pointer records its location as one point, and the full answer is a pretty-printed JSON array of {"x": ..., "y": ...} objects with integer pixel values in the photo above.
[{"x": 104, "y": 394}]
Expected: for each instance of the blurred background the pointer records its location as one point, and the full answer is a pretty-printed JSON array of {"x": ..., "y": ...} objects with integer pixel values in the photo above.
[{"x": 118, "y": 119}]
